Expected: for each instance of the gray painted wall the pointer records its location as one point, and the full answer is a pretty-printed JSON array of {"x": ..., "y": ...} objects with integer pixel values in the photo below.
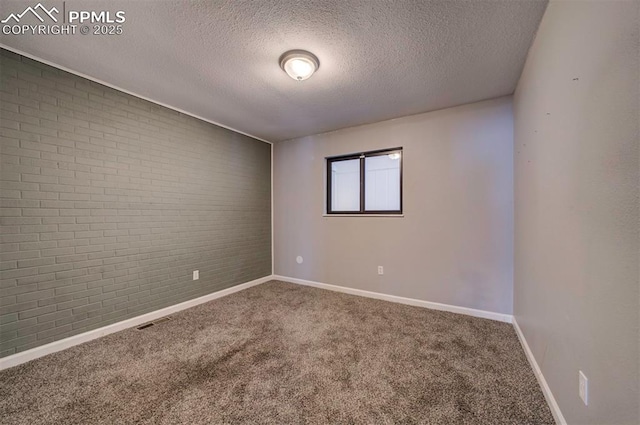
[
  {"x": 576, "y": 207},
  {"x": 109, "y": 202},
  {"x": 454, "y": 244}
]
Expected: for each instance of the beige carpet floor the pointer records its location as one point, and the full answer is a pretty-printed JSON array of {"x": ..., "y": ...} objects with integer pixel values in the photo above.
[{"x": 280, "y": 353}]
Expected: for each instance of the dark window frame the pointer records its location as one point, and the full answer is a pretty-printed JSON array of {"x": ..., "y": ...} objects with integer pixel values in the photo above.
[{"x": 362, "y": 156}]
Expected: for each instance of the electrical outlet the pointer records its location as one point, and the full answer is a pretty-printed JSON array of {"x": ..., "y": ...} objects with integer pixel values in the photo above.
[
  {"x": 380, "y": 270},
  {"x": 583, "y": 387},
  {"x": 196, "y": 274}
]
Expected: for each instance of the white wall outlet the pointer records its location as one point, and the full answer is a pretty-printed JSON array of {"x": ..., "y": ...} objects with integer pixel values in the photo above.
[
  {"x": 299, "y": 259},
  {"x": 583, "y": 387},
  {"x": 380, "y": 270},
  {"x": 196, "y": 274}
]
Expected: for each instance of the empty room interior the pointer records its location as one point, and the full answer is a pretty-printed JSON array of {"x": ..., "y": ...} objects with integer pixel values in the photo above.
[{"x": 320, "y": 212}]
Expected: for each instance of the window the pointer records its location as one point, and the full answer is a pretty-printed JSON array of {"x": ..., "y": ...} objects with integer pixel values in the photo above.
[{"x": 365, "y": 183}]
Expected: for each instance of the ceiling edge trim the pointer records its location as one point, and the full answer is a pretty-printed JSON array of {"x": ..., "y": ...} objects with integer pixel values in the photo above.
[
  {"x": 104, "y": 83},
  {"x": 401, "y": 117}
]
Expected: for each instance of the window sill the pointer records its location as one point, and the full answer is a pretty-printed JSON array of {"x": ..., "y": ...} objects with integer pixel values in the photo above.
[{"x": 364, "y": 215}]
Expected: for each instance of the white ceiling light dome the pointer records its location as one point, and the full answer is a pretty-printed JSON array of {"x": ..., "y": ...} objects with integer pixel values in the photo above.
[{"x": 299, "y": 64}]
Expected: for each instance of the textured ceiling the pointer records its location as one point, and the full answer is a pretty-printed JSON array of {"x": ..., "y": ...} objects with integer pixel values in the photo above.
[{"x": 378, "y": 59}]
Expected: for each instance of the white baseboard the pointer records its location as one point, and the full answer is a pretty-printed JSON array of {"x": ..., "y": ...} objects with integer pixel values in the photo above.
[
  {"x": 501, "y": 317},
  {"x": 34, "y": 353},
  {"x": 551, "y": 401}
]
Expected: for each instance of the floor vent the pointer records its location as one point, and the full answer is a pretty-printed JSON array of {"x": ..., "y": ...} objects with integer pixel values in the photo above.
[
  {"x": 155, "y": 322},
  {"x": 145, "y": 326}
]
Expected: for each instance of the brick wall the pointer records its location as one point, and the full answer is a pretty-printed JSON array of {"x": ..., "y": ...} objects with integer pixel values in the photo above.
[{"x": 109, "y": 202}]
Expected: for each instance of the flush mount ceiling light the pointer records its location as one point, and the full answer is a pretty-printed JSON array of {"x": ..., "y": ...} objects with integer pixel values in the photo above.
[{"x": 299, "y": 64}]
